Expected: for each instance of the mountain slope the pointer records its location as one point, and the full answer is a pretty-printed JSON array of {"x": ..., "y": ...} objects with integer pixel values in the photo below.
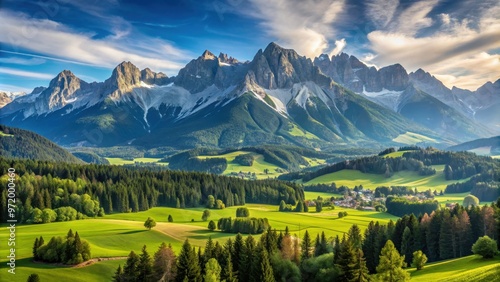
[
  {"x": 215, "y": 102},
  {"x": 418, "y": 96},
  {"x": 492, "y": 143},
  {"x": 18, "y": 143}
]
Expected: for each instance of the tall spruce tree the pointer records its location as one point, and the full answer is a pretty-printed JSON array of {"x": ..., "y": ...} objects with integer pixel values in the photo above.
[
  {"x": 390, "y": 267},
  {"x": 164, "y": 263},
  {"x": 130, "y": 271},
  {"x": 187, "y": 264},
  {"x": 145, "y": 266},
  {"x": 346, "y": 260},
  {"x": 306, "y": 246},
  {"x": 360, "y": 271}
]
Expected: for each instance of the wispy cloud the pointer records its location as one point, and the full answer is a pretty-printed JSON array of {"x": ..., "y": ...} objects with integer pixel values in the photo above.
[
  {"x": 461, "y": 51},
  {"x": 306, "y": 27},
  {"x": 53, "y": 39},
  {"x": 29, "y": 74},
  {"x": 22, "y": 61}
]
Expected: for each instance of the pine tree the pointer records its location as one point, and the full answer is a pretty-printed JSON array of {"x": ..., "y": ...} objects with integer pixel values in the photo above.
[
  {"x": 118, "y": 277},
  {"x": 228, "y": 272},
  {"x": 346, "y": 260},
  {"x": 266, "y": 271},
  {"x": 237, "y": 251},
  {"x": 446, "y": 237},
  {"x": 35, "y": 248},
  {"x": 164, "y": 264},
  {"x": 212, "y": 271},
  {"x": 246, "y": 259},
  {"x": 209, "y": 250},
  {"x": 306, "y": 246},
  {"x": 33, "y": 278},
  {"x": 317, "y": 244},
  {"x": 406, "y": 245},
  {"x": 145, "y": 267},
  {"x": 354, "y": 235},
  {"x": 70, "y": 234},
  {"x": 336, "y": 250},
  {"x": 360, "y": 271},
  {"x": 130, "y": 271},
  {"x": 187, "y": 264},
  {"x": 390, "y": 267}
]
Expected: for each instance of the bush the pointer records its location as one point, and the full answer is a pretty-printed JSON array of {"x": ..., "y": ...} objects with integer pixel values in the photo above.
[
  {"x": 470, "y": 200},
  {"x": 419, "y": 260},
  {"x": 485, "y": 246},
  {"x": 242, "y": 212}
]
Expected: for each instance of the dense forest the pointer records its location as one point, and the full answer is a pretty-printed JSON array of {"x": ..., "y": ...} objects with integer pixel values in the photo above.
[
  {"x": 23, "y": 144},
  {"x": 381, "y": 253},
  {"x": 61, "y": 190},
  {"x": 484, "y": 172},
  {"x": 286, "y": 157}
]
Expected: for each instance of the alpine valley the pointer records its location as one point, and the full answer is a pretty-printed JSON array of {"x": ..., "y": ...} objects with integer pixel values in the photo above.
[{"x": 277, "y": 98}]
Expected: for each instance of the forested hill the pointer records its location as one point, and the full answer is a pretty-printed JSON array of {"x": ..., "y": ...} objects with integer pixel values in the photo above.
[
  {"x": 484, "y": 172},
  {"x": 23, "y": 144},
  {"x": 117, "y": 189},
  {"x": 493, "y": 143}
]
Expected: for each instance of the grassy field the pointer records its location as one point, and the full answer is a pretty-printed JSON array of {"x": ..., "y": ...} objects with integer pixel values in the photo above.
[
  {"x": 295, "y": 131},
  {"x": 410, "y": 138},
  {"x": 100, "y": 271},
  {"x": 120, "y": 161},
  {"x": 258, "y": 166},
  {"x": 352, "y": 178},
  {"x": 470, "y": 268},
  {"x": 117, "y": 234}
]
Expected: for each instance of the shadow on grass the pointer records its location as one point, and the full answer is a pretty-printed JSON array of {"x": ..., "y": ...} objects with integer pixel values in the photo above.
[{"x": 133, "y": 231}]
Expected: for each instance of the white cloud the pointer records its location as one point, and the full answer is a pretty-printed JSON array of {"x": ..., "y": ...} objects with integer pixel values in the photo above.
[
  {"x": 22, "y": 61},
  {"x": 339, "y": 46},
  {"x": 381, "y": 12},
  {"x": 53, "y": 39},
  {"x": 459, "y": 51},
  {"x": 301, "y": 25},
  {"x": 29, "y": 74}
]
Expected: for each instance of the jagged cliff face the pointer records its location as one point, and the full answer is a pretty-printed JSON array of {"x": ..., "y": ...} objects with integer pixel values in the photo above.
[
  {"x": 218, "y": 101},
  {"x": 4, "y": 99},
  {"x": 349, "y": 71}
]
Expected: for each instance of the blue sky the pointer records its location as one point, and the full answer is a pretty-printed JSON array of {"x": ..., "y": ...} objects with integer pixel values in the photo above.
[{"x": 458, "y": 41}]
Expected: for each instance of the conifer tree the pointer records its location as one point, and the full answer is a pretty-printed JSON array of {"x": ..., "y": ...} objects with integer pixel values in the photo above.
[
  {"x": 265, "y": 268},
  {"x": 164, "y": 264},
  {"x": 212, "y": 271},
  {"x": 187, "y": 264},
  {"x": 306, "y": 246},
  {"x": 144, "y": 267},
  {"x": 390, "y": 267},
  {"x": 360, "y": 271},
  {"x": 130, "y": 270},
  {"x": 346, "y": 260},
  {"x": 354, "y": 235},
  {"x": 237, "y": 251},
  {"x": 118, "y": 277}
]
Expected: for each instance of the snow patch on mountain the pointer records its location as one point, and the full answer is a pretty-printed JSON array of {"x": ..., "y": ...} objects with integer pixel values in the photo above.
[{"x": 381, "y": 93}]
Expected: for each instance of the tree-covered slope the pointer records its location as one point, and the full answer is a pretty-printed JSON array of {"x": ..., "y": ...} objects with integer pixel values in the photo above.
[{"x": 18, "y": 143}]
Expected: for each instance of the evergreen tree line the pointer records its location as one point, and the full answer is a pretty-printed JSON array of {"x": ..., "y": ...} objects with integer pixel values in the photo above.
[
  {"x": 381, "y": 253},
  {"x": 42, "y": 184},
  {"x": 68, "y": 250},
  {"x": 273, "y": 257},
  {"x": 243, "y": 225},
  {"x": 442, "y": 234},
  {"x": 462, "y": 165},
  {"x": 485, "y": 186},
  {"x": 400, "y": 206}
]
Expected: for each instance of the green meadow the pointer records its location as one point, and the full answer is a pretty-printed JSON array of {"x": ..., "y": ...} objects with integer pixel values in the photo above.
[
  {"x": 116, "y": 235},
  {"x": 352, "y": 178},
  {"x": 121, "y": 161},
  {"x": 258, "y": 167},
  {"x": 470, "y": 268}
]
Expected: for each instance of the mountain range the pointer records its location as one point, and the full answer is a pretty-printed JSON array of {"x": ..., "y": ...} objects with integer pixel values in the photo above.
[{"x": 279, "y": 97}]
